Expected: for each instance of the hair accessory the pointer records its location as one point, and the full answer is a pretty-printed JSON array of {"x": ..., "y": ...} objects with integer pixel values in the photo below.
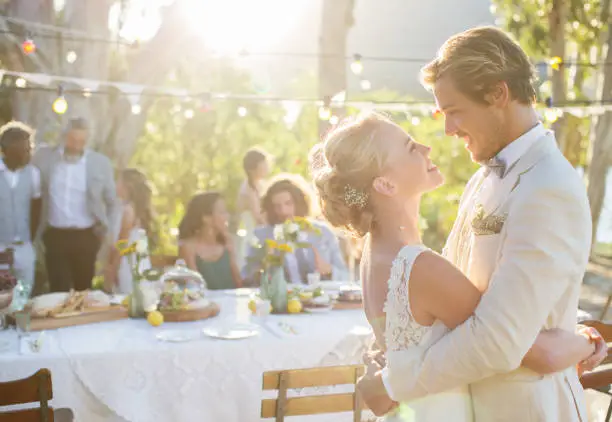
[{"x": 355, "y": 198}]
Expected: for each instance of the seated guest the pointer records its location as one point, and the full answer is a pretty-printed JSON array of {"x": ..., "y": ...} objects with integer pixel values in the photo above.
[
  {"x": 20, "y": 202},
  {"x": 287, "y": 197},
  {"x": 205, "y": 243}
]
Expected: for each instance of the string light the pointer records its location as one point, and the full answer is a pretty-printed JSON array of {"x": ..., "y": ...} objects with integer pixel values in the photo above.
[
  {"x": 333, "y": 120},
  {"x": 86, "y": 92},
  {"x": 189, "y": 113},
  {"x": 28, "y": 47},
  {"x": 20, "y": 83},
  {"x": 324, "y": 111},
  {"x": 71, "y": 57},
  {"x": 136, "y": 109},
  {"x": 415, "y": 121},
  {"x": 60, "y": 105},
  {"x": 242, "y": 111},
  {"x": 357, "y": 65},
  {"x": 365, "y": 85}
]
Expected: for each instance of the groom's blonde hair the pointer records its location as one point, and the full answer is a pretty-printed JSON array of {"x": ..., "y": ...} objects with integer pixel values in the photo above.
[{"x": 478, "y": 59}]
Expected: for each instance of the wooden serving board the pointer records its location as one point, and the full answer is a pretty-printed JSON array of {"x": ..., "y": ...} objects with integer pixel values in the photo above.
[
  {"x": 209, "y": 311},
  {"x": 342, "y": 305},
  {"x": 88, "y": 316}
]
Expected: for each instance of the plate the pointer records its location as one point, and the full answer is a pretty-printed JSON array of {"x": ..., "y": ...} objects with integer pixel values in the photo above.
[
  {"x": 243, "y": 292},
  {"x": 232, "y": 332},
  {"x": 318, "y": 309},
  {"x": 179, "y": 336}
]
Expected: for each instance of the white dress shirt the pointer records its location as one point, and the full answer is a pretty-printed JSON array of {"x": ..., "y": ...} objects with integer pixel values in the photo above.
[{"x": 68, "y": 195}]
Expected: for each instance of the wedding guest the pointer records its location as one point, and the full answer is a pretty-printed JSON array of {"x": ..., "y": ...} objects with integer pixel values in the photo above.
[
  {"x": 134, "y": 223},
  {"x": 256, "y": 168},
  {"x": 20, "y": 202},
  {"x": 78, "y": 193},
  {"x": 205, "y": 243},
  {"x": 288, "y": 197}
]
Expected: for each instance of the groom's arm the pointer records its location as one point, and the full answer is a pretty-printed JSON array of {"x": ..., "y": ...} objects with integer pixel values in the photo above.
[{"x": 548, "y": 234}]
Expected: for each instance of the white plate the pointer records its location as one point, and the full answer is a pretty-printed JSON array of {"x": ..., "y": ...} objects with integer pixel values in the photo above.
[
  {"x": 179, "y": 336},
  {"x": 243, "y": 292},
  {"x": 232, "y": 332},
  {"x": 318, "y": 310}
]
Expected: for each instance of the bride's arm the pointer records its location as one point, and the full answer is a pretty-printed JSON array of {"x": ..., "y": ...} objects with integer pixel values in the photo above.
[{"x": 445, "y": 293}]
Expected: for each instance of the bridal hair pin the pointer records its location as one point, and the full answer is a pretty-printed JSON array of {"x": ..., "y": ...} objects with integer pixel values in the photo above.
[{"x": 355, "y": 198}]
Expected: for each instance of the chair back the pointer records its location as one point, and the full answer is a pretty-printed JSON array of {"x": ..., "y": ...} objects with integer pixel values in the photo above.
[
  {"x": 36, "y": 388},
  {"x": 284, "y": 406}
]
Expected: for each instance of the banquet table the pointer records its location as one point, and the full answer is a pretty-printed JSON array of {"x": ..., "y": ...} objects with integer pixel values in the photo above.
[{"x": 120, "y": 371}]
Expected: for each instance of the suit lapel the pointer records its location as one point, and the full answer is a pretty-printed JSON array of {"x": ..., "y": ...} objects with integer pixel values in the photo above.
[{"x": 511, "y": 181}]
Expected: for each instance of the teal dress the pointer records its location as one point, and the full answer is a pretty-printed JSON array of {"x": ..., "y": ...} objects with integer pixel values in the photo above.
[{"x": 217, "y": 274}]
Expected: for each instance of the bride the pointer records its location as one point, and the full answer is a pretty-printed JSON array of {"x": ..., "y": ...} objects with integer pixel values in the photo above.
[{"x": 370, "y": 176}]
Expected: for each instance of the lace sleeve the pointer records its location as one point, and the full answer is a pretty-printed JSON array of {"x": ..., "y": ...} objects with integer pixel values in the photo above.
[{"x": 402, "y": 331}]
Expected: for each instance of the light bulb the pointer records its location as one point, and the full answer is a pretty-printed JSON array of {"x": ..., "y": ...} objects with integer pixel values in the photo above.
[
  {"x": 365, "y": 85},
  {"x": 333, "y": 120},
  {"x": 324, "y": 113},
  {"x": 60, "y": 105},
  {"x": 20, "y": 83},
  {"x": 71, "y": 57},
  {"x": 189, "y": 113},
  {"x": 551, "y": 115},
  {"x": 28, "y": 47},
  {"x": 136, "y": 109},
  {"x": 86, "y": 92},
  {"x": 356, "y": 65},
  {"x": 415, "y": 121},
  {"x": 242, "y": 111}
]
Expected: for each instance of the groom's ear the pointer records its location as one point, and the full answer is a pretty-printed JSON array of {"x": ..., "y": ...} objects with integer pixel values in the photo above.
[
  {"x": 498, "y": 95},
  {"x": 384, "y": 186}
]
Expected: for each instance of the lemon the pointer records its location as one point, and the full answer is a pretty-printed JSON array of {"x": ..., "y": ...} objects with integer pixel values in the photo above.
[
  {"x": 252, "y": 306},
  {"x": 155, "y": 318},
  {"x": 294, "y": 306},
  {"x": 126, "y": 300}
]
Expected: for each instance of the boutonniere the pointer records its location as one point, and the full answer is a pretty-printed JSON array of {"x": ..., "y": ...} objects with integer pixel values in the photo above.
[{"x": 483, "y": 224}]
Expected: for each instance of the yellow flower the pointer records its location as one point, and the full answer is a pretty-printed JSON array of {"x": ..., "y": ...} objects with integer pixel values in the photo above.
[
  {"x": 285, "y": 248},
  {"x": 271, "y": 244}
]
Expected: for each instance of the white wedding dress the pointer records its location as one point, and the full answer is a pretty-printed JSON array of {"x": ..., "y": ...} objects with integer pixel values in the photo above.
[{"x": 402, "y": 333}]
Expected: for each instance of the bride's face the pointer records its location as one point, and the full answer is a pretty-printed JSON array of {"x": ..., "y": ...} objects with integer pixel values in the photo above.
[{"x": 409, "y": 170}]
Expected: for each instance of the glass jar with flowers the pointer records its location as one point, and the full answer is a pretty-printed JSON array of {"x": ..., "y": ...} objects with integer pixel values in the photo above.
[{"x": 137, "y": 254}]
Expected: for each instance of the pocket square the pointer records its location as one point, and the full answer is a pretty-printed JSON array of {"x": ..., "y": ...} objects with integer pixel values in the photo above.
[{"x": 483, "y": 224}]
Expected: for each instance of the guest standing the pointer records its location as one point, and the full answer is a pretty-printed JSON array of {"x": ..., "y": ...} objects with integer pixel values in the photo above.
[
  {"x": 256, "y": 167},
  {"x": 78, "y": 192},
  {"x": 133, "y": 223},
  {"x": 20, "y": 201},
  {"x": 205, "y": 244}
]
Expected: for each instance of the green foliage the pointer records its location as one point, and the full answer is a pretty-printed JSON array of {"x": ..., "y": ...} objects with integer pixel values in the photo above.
[{"x": 182, "y": 156}]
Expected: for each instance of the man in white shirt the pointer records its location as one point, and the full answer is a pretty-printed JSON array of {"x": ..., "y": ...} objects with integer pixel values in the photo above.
[
  {"x": 79, "y": 198},
  {"x": 20, "y": 202}
]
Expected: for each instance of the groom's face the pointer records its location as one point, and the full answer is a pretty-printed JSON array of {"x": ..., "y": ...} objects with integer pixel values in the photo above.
[{"x": 475, "y": 123}]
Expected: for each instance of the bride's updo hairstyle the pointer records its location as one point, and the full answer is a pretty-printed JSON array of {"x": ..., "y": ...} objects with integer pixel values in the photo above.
[{"x": 343, "y": 168}]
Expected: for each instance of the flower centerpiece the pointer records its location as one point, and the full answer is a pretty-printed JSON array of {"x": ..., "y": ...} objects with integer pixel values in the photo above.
[
  {"x": 140, "y": 300},
  {"x": 288, "y": 237}
]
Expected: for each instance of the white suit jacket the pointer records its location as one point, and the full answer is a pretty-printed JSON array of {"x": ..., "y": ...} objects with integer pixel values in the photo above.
[{"x": 531, "y": 257}]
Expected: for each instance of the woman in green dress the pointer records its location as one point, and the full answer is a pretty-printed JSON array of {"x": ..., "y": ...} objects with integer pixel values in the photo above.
[{"x": 205, "y": 243}]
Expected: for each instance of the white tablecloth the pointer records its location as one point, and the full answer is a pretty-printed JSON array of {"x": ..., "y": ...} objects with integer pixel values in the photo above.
[{"x": 119, "y": 371}]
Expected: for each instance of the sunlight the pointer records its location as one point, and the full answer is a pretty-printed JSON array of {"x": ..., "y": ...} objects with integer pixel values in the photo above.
[{"x": 232, "y": 26}]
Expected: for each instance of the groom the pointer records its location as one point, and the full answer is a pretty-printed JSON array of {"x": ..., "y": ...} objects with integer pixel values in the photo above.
[{"x": 522, "y": 234}]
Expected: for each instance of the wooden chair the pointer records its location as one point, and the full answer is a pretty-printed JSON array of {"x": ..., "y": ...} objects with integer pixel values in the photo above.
[
  {"x": 600, "y": 380},
  {"x": 283, "y": 381},
  {"x": 7, "y": 259},
  {"x": 36, "y": 388}
]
